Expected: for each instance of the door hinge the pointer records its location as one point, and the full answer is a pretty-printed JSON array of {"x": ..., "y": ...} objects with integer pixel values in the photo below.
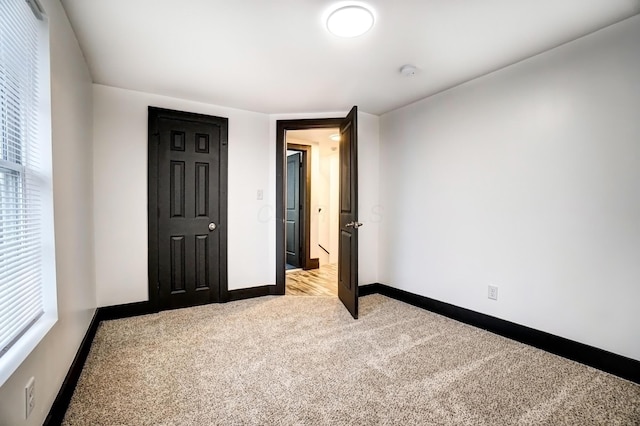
[
  {"x": 158, "y": 212},
  {"x": 158, "y": 287}
]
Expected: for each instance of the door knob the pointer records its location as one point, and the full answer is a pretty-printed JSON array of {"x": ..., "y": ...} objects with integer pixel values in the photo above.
[
  {"x": 355, "y": 225},
  {"x": 212, "y": 226}
]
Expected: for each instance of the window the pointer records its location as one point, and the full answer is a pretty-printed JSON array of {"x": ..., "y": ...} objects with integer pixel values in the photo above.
[{"x": 26, "y": 249}]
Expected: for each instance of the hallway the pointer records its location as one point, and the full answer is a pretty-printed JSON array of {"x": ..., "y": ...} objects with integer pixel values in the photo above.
[{"x": 314, "y": 282}]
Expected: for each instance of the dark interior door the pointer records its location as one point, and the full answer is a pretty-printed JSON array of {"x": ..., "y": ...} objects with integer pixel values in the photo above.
[
  {"x": 190, "y": 250},
  {"x": 348, "y": 240},
  {"x": 292, "y": 229}
]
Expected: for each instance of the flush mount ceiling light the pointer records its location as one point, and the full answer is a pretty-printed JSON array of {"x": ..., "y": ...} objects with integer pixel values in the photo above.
[
  {"x": 335, "y": 137},
  {"x": 350, "y": 21}
]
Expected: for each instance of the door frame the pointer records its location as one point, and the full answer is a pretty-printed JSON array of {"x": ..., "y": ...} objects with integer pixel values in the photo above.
[
  {"x": 154, "y": 114},
  {"x": 281, "y": 162},
  {"x": 305, "y": 195}
]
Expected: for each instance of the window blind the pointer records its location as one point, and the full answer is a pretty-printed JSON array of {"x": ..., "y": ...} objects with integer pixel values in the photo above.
[{"x": 20, "y": 184}]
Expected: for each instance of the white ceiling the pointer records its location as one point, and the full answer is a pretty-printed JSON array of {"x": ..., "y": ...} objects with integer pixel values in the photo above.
[{"x": 275, "y": 56}]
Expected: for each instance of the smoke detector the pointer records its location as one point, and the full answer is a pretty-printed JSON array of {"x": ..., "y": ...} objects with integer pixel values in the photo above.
[{"x": 408, "y": 70}]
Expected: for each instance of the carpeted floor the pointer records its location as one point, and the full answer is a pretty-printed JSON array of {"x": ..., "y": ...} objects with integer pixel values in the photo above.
[{"x": 303, "y": 361}]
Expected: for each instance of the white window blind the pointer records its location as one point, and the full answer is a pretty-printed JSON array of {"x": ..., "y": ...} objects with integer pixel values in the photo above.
[{"x": 20, "y": 182}]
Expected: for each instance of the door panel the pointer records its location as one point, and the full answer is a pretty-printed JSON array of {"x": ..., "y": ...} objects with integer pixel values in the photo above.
[
  {"x": 177, "y": 264},
  {"x": 292, "y": 226},
  {"x": 186, "y": 257},
  {"x": 345, "y": 264},
  {"x": 348, "y": 241},
  {"x": 202, "y": 189},
  {"x": 202, "y": 262}
]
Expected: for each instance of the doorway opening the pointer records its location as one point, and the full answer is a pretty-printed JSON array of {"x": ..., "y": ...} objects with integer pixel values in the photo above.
[
  {"x": 311, "y": 222},
  {"x": 292, "y": 208}
]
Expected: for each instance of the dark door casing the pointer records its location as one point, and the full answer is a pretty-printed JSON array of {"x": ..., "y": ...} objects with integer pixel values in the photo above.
[
  {"x": 187, "y": 208},
  {"x": 348, "y": 226},
  {"x": 348, "y": 221},
  {"x": 293, "y": 247}
]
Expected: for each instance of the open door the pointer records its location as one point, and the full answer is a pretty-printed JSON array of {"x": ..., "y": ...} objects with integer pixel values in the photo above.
[{"x": 348, "y": 240}]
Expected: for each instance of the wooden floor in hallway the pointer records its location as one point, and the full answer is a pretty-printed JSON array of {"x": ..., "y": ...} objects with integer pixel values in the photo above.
[{"x": 314, "y": 282}]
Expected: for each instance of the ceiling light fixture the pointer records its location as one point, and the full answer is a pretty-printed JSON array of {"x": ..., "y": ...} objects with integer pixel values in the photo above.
[
  {"x": 350, "y": 21},
  {"x": 335, "y": 137}
]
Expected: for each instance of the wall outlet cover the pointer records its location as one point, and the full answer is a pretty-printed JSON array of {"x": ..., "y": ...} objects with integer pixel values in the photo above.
[
  {"x": 493, "y": 292},
  {"x": 30, "y": 396}
]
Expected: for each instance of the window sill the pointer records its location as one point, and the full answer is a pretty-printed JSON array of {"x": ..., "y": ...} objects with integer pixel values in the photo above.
[{"x": 16, "y": 355}]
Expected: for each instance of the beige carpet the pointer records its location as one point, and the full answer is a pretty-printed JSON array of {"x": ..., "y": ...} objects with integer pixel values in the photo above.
[{"x": 303, "y": 361}]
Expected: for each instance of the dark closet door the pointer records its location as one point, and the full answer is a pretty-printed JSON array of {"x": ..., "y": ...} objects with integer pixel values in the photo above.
[
  {"x": 348, "y": 240},
  {"x": 292, "y": 229},
  {"x": 191, "y": 208}
]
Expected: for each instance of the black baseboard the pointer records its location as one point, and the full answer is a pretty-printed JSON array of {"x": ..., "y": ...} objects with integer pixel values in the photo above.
[
  {"x": 365, "y": 290},
  {"x": 312, "y": 264},
  {"x": 61, "y": 403},
  {"x": 127, "y": 310},
  {"x": 248, "y": 293},
  {"x": 618, "y": 365}
]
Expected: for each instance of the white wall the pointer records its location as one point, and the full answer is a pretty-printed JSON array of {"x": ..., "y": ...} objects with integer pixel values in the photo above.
[
  {"x": 329, "y": 189},
  {"x": 120, "y": 185},
  {"x": 528, "y": 178},
  {"x": 368, "y": 199},
  {"x": 334, "y": 207},
  {"x": 72, "y": 185}
]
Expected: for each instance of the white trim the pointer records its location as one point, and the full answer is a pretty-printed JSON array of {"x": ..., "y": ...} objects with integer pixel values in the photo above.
[
  {"x": 20, "y": 350},
  {"x": 10, "y": 361}
]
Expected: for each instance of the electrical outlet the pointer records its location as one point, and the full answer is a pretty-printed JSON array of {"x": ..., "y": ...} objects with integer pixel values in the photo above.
[
  {"x": 30, "y": 396},
  {"x": 260, "y": 194},
  {"x": 493, "y": 292}
]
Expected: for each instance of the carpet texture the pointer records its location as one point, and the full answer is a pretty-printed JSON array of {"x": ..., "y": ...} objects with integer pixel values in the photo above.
[{"x": 304, "y": 361}]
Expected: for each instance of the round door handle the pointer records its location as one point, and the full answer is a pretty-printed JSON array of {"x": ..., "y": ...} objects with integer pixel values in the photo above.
[{"x": 212, "y": 226}]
